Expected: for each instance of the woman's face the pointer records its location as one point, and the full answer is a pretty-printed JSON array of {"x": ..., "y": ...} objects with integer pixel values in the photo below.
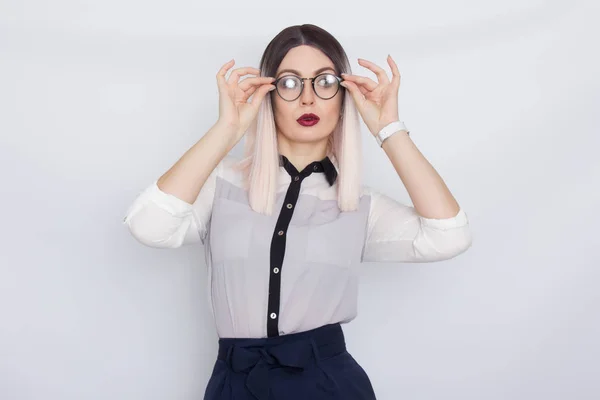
[{"x": 306, "y": 62}]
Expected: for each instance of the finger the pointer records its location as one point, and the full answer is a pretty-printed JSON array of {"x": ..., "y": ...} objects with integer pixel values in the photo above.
[
  {"x": 250, "y": 91},
  {"x": 260, "y": 94},
  {"x": 354, "y": 91},
  {"x": 236, "y": 73},
  {"x": 395, "y": 71},
  {"x": 249, "y": 82},
  {"x": 221, "y": 73},
  {"x": 363, "y": 90},
  {"x": 381, "y": 75},
  {"x": 368, "y": 83}
]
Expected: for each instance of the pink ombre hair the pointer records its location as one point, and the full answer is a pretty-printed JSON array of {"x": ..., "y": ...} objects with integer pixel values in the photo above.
[{"x": 260, "y": 163}]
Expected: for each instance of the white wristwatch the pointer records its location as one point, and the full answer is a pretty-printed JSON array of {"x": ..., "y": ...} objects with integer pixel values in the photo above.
[{"x": 389, "y": 130}]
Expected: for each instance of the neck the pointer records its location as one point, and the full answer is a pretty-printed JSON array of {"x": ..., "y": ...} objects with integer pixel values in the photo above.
[{"x": 301, "y": 154}]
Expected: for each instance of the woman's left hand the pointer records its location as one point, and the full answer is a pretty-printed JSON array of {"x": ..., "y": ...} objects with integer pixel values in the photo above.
[{"x": 377, "y": 102}]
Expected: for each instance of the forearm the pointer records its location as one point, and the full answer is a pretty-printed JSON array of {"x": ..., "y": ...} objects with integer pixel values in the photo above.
[
  {"x": 187, "y": 176},
  {"x": 427, "y": 190}
]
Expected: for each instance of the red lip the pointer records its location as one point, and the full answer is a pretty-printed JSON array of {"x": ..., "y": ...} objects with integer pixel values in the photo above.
[{"x": 308, "y": 119}]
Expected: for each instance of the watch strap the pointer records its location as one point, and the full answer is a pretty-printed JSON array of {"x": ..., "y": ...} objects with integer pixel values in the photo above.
[{"x": 389, "y": 130}]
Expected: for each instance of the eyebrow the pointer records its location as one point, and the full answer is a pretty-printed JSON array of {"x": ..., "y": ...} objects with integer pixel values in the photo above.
[{"x": 298, "y": 73}]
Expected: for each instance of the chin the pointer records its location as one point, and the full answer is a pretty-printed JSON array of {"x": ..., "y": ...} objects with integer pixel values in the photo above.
[{"x": 309, "y": 135}]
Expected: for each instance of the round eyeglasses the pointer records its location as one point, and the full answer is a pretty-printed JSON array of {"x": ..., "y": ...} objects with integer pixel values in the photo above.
[{"x": 325, "y": 86}]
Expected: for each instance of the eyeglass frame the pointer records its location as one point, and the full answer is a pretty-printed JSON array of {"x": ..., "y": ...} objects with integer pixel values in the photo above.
[{"x": 312, "y": 82}]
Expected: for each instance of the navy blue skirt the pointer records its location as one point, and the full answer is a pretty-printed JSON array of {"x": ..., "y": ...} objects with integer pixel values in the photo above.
[{"x": 311, "y": 365}]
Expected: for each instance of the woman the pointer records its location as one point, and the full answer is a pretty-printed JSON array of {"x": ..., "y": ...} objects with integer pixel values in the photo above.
[{"x": 286, "y": 228}]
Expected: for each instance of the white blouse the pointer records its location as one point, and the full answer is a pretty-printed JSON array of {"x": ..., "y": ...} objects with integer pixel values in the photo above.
[{"x": 297, "y": 269}]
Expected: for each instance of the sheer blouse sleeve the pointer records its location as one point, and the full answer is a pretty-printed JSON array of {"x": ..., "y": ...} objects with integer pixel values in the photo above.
[
  {"x": 397, "y": 233},
  {"x": 159, "y": 219}
]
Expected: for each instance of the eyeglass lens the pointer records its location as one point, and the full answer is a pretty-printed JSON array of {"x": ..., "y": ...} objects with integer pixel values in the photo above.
[{"x": 290, "y": 87}]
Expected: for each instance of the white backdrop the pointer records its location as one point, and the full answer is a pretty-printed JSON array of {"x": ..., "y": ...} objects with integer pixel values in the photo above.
[{"x": 97, "y": 99}]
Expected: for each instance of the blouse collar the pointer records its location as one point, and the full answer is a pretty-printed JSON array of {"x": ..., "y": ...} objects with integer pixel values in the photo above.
[{"x": 327, "y": 165}]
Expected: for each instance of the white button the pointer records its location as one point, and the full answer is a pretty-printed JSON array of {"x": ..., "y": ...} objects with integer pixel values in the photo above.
[
  {"x": 289, "y": 205},
  {"x": 273, "y": 315},
  {"x": 296, "y": 178},
  {"x": 315, "y": 168},
  {"x": 276, "y": 270},
  {"x": 280, "y": 233}
]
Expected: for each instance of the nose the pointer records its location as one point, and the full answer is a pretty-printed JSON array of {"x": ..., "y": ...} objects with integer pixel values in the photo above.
[{"x": 307, "y": 96}]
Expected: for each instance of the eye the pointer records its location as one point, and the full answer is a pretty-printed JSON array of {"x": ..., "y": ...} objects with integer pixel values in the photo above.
[
  {"x": 326, "y": 80},
  {"x": 289, "y": 82}
]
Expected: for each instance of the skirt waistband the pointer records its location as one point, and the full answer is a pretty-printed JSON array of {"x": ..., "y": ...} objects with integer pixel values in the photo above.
[
  {"x": 295, "y": 352},
  {"x": 329, "y": 340}
]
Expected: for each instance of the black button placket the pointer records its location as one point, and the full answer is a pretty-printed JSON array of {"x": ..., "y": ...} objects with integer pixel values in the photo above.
[{"x": 278, "y": 241}]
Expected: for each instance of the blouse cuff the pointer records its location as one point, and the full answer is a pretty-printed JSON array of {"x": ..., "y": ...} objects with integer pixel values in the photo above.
[
  {"x": 168, "y": 202},
  {"x": 457, "y": 221}
]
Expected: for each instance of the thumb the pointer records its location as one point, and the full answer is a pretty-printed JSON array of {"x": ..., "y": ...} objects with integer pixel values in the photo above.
[
  {"x": 260, "y": 94},
  {"x": 354, "y": 92}
]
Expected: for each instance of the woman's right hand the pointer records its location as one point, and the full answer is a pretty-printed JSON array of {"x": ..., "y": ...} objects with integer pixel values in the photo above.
[{"x": 234, "y": 109}]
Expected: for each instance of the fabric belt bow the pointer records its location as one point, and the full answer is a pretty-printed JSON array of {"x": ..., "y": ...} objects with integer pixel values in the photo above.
[{"x": 257, "y": 361}]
